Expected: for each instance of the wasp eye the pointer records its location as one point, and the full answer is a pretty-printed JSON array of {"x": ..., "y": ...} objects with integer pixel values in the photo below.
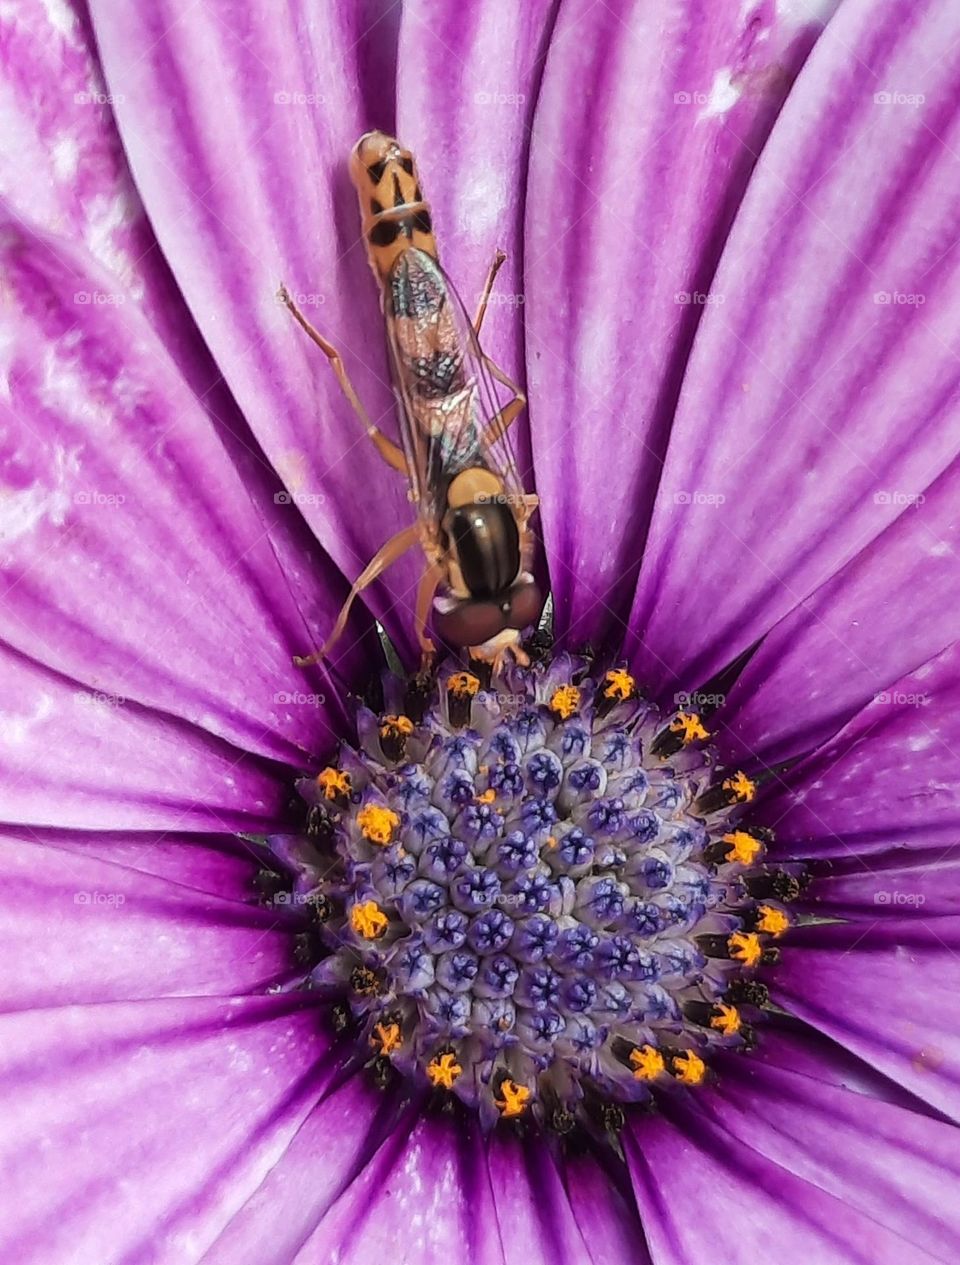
[
  {"x": 525, "y": 603},
  {"x": 469, "y": 623}
]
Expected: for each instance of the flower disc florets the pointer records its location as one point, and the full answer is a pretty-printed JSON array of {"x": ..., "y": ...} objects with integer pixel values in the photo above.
[{"x": 535, "y": 896}]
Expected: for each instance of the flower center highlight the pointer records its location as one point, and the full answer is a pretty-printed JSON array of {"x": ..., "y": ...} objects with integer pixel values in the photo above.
[{"x": 538, "y": 897}]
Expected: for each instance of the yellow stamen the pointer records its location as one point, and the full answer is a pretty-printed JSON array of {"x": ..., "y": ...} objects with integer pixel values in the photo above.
[
  {"x": 726, "y": 1019},
  {"x": 368, "y": 920},
  {"x": 619, "y": 684},
  {"x": 443, "y": 1071},
  {"x": 377, "y": 823},
  {"x": 463, "y": 683},
  {"x": 333, "y": 783},
  {"x": 744, "y": 848},
  {"x": 486, "y": 797},
  {"x": 772, "y": 920},
  {"x": 689, "y": 726},
  {"x": 386, "y": 1037},
  {"x": 740, "y": 787},
  {"x": 396, "y": 727},
  {"x": 552, "y": 842},
  {"x": 745, "y": 946},
  {"x": 689, "y": 1068},
  {"x": 513, "y": 1099},
  {"x": 565, "y": 701},
  {"x": 647, "y": 1063}
]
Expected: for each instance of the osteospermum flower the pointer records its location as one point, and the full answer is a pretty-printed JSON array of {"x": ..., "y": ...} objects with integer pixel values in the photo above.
[{"x": 644, "y": 953}]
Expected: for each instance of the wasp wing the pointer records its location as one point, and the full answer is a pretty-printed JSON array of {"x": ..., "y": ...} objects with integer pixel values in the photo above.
[{"x": 448, "y": 398}]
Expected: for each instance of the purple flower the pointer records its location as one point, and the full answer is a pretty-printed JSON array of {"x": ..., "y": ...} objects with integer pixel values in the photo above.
[{"x": 732, "y": 295}]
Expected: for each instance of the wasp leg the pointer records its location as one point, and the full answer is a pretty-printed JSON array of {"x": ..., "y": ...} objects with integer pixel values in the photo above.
[
  {"x": 498, "y": 261},
  {"x": 386, "y": 556},
  {"x": 388, "y": 450},
  {"x": 431, "y": 577},
  {"x": 501, "y": 422}
]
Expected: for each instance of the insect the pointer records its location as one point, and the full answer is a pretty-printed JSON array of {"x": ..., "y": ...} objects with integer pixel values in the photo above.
[{"x": 472, "y": 512}]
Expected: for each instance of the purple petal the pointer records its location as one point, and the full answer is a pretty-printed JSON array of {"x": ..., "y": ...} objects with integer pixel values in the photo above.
[
  {"x": 221, "y": 865},
  {"x": 892, "y": 1165},
  {"x": 81, "y": 928},
  {"x": 898, "y": 883},
  {"x": 238, "y": 133},
  {"x": 421, "y": 1198},
  {"x": 884, "y": 989},
  {"x": 68, "y": 175},
  {"x": 334, "y": 1146},
  {"x": 706, "y": 1195},
  {"x": 889, "y": 777},
  {"x": 133, "y": 557},
  {"x": 888, "y": 610},
  {"x": 536, "y": 1222},
  {"x": 72, "y": 756},
  {"x": 807, "y": 395},
  {"x": 789, "y": 1043},
  {"x": 188, "y": 1103},
  {"x": 467, "y": 94},
  {"x": 605, "y": 1213},
  {"x": 647, "y": 128}
]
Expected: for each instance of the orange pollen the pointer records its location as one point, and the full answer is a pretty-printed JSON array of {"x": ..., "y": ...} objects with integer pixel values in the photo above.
[
  {"x": 772, "y": 920},
  {"x": 463, "y": 683},
  {"x": 377, "y": 823},
  {"x": 565, "y": 701},
  {"x": 726, "y": 1019},
  {"x": 513, "y": 1099},
  {"x": 386, "y": 1037},
  {"x": 689, "y": 726},
  {"x": 647, "y": 1063},
  {"x": 689, "y": 1068},
  {"x": 619, "y": 684},
  {"x": 744, "y": 848},
  {"x": 443, "y": 1071},
  {"x": 333, "y": 783},
  {"x": 368, "y": 920},
  {"x": 396, "y": 727},
  {"x": 487, "y": 796},
  {"x": 740, "y": 787},
  {"x": 745, "y": 946}
]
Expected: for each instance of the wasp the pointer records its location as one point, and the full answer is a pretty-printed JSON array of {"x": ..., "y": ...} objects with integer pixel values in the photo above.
[{"x": 472, "y": 512}]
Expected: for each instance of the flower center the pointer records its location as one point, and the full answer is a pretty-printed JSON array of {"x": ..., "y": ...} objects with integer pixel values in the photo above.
[{"x": 538, "y": 897}]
